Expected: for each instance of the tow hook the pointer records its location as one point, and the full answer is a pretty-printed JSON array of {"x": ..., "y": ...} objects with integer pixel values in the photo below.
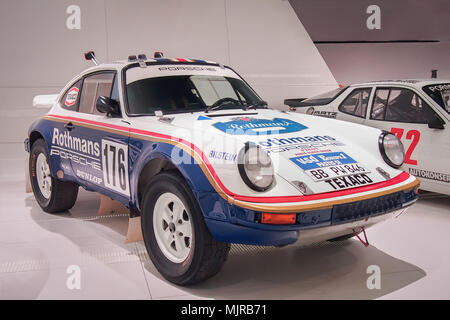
[{"x": 365, "y": 242}]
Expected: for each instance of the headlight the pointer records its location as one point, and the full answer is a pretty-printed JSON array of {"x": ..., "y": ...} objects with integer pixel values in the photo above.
[
  {"x": 255, "y": 167},
  {"x": 391, "y": 149}
]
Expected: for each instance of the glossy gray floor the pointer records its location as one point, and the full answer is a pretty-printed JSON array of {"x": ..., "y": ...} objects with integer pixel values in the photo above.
[{"x": 39, "y": 253}]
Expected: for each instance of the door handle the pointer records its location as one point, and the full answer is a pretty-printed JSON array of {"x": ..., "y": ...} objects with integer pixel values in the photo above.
[{"x": 69, "y": 126}]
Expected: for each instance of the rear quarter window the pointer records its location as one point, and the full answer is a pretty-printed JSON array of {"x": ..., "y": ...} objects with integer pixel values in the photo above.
[{"x": 71, "y": 99}]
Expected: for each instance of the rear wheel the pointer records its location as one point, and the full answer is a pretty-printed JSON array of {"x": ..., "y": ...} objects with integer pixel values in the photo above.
[
  {"x": 175, "y": 235},
  {"x": 52, "y": 195}
]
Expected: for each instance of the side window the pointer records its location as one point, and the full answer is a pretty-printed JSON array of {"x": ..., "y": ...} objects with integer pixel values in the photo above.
[
  {"x": 99, "y": 84},
  {"x": 404, "y": 105},
  {"x": 71, "y": 99},
  {"x": 356, "y": 102}
]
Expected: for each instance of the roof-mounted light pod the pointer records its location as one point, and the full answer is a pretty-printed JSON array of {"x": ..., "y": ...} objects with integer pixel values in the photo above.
[{"x": 141, "y": 59}]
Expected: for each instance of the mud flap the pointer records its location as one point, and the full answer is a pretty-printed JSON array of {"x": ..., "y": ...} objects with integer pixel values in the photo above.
[
  {"x": 109, "y": 206},
  {"x": 28, "y": 188},
  {"x": 134, "y": 233}
]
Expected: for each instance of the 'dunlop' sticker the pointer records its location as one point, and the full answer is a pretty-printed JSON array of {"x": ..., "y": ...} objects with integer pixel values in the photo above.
[{"x": 71, "y": 97}]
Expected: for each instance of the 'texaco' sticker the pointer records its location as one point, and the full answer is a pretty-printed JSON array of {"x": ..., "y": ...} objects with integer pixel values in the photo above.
[{"x": 71, "y": 97}]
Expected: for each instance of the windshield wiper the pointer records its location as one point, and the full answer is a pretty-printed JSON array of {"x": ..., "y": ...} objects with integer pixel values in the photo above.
[
  {"x": 221, "y": 103},
  {"x": 260, "y": 103}
]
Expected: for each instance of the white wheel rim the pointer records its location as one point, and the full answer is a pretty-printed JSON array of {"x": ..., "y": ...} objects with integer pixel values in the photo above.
[
  {"x": 44, "y": 178},
  {"x": 172, "y": 226}
]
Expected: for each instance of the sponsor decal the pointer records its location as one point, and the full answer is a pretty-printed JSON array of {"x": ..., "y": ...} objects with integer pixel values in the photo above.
[
  {"x": 349, "y": 181},
  {"x": 439, "y": 87},
  {"x": 273, "y": 142},
  {"x": 76, "y": 158},
  {"x": 322, "y": 160},
  {"x": 307, "y": 151},
  {"x": 328, "y": 166},
  {"x": 66, "y": 140},
  {"x": 254, "y": 126},
  {"x": 325, "y": 114},
  {"x": 222, "y": 155},
  {"x": 443, "y": 177},
  {"x": 302, "y": 146},
  {"x": 78, "y": 150},
  {"x": 89, "y": 177},
  {"x": 71, "y": 97},
  {"x": 203, "y": 118}
]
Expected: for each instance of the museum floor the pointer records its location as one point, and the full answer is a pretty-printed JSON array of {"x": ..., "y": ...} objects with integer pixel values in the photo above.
[{"x": 36, "y": 250}]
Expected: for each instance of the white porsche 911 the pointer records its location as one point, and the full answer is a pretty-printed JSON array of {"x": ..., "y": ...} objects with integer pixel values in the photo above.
[
  {"x": 416, "y": 111},
  {"x": 193, "y": 151}
]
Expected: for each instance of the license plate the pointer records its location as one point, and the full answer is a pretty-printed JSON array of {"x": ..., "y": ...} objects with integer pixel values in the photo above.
[{"x": 325, "y": 173}]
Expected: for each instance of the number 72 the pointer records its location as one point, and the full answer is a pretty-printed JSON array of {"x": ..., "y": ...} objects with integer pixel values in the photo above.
[{"x": 411, "y": 134}]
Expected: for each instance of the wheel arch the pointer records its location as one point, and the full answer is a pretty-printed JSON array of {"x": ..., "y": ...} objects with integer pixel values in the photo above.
[
  {"x": 152, "y": 167},
  {"x": 156, "y": 159},
  {"x": 35, "y": 135}
]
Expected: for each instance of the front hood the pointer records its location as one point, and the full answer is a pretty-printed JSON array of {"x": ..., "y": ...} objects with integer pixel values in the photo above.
[{"x": 311, "y": 154}]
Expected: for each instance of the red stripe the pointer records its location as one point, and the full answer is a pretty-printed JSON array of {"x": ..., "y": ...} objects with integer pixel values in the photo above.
[
  {"x": 182, "y": 60},
  {"x": 318, "y": 196}
]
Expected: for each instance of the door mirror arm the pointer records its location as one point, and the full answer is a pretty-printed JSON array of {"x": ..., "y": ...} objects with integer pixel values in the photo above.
[
  {"x": 107, "y": 105},
  {"x": 436, "y": 123}
]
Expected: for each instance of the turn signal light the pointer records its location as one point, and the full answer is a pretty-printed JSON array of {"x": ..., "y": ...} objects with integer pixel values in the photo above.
[{"x": 278, "y": 218}]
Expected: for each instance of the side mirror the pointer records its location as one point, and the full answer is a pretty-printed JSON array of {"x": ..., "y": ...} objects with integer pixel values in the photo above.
[
  {"x": 108, "y": 106},
  {"x": 436, "y": 123}
]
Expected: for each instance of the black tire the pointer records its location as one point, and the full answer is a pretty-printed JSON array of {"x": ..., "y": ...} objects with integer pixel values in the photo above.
[
  {"x": 342, "y": 238},
  {"x": 63, "y": 193},
  {"x": 206, "y": 256}
]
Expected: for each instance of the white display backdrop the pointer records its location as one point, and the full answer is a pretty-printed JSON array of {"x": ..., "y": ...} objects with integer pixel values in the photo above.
[{"x": 43, "y": 41}]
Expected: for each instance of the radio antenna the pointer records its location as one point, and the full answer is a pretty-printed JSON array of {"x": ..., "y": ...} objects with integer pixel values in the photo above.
[{"x": 90, "y": 55}]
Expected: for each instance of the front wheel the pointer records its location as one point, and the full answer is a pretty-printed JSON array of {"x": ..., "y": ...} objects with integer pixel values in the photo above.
[
  {"x": 175, "y": 235},
  {"x": 52, "y": 195}
]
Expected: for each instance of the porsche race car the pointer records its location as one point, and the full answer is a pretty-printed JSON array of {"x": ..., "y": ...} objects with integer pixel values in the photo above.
[
  {"x": 416, "y": 111},
  {"x": 190, "y": 148}
]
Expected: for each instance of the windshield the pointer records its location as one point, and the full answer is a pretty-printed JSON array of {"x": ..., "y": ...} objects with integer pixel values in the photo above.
[
  {"x": 440, "y": 93},
  {"x": 188, "y": 93},
  {"x": 323, "y": 98}
]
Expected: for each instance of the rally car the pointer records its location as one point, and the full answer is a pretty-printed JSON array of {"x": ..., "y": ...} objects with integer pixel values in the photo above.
[
  {"x": 416, "y": 111},
  {"x": 188, "y": 146}
]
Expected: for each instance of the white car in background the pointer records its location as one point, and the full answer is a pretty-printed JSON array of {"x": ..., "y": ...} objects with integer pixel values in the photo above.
[{"x": 417, "y": 111}]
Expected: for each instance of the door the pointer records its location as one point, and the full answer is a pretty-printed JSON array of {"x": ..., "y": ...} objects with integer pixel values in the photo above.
[
  {"x": 406, "y": 114},
  {"x": 102, "y": 139}
]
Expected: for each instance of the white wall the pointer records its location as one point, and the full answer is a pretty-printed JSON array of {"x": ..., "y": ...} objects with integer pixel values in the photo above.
[{"x": 263, "y": 40}]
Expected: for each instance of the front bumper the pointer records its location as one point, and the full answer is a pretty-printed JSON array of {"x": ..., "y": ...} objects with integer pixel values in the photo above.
[{"x": 244, "y": 226}]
